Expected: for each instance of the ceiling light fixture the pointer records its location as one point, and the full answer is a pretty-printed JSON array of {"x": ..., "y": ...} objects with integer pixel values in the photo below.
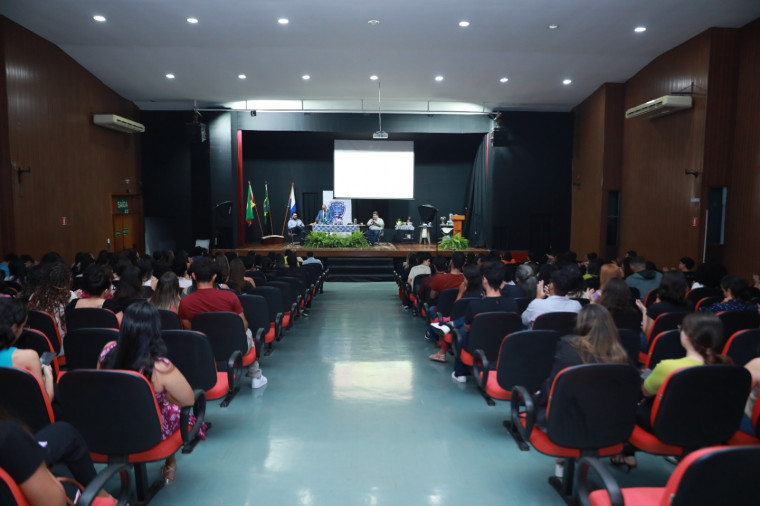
[
  {"x": 242, "y": 76},
  {"x": 379, "y": 134},
  {"x": 373, "y": 22},
  {"x": 640, "y": 29},
  {"x": 170, "y": 76},
  {"x": 306, "y": 77},
  {"x": 99, "y": 18},
  {"x": 373, "y": 78},
  {"x": 567, "y": 81},
  {"x": 553, "y": 26},
  {"x": 464, "y": 24},
  {"x": 439, "y": 78},
  {"x": 192, "y": 21},
  {"x": 503, "y": 79},
  {"x": 283, "y": 21}
]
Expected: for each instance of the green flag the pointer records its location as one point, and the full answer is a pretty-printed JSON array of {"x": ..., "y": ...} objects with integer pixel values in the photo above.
[
  {"x": 249, "y": 206},
  {"x": 266, "y": 202}
]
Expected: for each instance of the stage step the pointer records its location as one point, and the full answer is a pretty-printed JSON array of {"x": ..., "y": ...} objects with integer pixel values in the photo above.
[{"x": 353, "y": 269}]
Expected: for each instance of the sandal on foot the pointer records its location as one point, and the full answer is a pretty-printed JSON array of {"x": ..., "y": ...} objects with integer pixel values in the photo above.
[
  {"x": 626, "y": 462},
  {"x": 437, "y": 357},
  {"x": 168, "y": 473}
]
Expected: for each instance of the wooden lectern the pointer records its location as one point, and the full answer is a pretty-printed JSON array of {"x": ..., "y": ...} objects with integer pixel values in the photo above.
[{"x": 458, "y": 219}]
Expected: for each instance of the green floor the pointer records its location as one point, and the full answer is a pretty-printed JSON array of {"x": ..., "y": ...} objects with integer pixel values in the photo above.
[{"x": 354, "y": 414}]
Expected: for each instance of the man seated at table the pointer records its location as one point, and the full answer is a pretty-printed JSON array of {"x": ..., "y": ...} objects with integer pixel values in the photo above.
[
  {"x": 325, "y": 216},
  {"x": 375, "y": 226},
  {"x": 296, "y": 227}
]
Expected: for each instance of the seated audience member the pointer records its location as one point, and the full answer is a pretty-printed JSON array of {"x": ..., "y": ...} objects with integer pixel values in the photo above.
[
  {"x": 607, "y": 272},
  {"x": 375, "y": 225},
  {"x": 239, "y": 282},
  {"x": 437, "y": 268},
  {"x": 753, "y": 366},
  {"x": 451, "y": 279},
  {"x": 13, "y": 317},
  {"x": 472, "y": 285},
  {"x": 595, "y": 341},
  {"x": 642, "y": 279},
  {"x": 509, "y": 288},
  {"x": 140, "y": 348},
  {"x": 311, "y": 260},
  {"x": 422, "y": 267},
  {"x": 296, "y": 227},
  {"x": 556, "y": 301},
  {"x": 701, "y": 336},
  {"x": 207, "y": 298},
  {"x": 708, "y": 275},
  {"x": 736, "y": 296},
  {"x": 617, "y": 299},
  {"x": 671, "y": 298},
  {"x": 686, "y": 265},
  {"x": 525, "y": 278},
  {"x": 97, "y": 285},
  {"x": 130, "y": 287},
  {"x": 223, "y": 271},
  {"x": 180, "y": 266},
  {"x": 167, "y": 293},
  {"x": 324, "y": 216},
  {"x": 54, "y": 294}
]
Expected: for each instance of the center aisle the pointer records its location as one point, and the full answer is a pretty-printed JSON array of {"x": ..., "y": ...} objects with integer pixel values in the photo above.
[{"x": 355, "y": 413}]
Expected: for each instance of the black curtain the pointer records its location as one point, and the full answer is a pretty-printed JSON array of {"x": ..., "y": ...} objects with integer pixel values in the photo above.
[{"x": 477, "y": 224}]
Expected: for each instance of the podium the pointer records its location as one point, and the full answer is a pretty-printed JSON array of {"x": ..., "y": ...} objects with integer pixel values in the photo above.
[{"x": 458, "y": 219}]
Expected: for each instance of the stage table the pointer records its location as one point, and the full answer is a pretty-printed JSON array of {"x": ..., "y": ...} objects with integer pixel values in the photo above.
[
  {"x": 346, "y": 229},
  {"x": 404, "y": 233}
]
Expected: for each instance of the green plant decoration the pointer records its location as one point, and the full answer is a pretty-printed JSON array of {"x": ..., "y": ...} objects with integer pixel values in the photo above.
[
  {"x": 454, "y": 242},
  {"x": 318, "y": 240}
]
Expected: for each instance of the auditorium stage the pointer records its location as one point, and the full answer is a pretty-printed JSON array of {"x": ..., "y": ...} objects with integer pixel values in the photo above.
[{"x": 380, "y": 250}]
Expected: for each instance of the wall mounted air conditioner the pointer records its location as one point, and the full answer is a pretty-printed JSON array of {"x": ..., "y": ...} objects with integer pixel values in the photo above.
[
  {"x": 660, "y": 107},
  {"x": 118, "y": 123}
]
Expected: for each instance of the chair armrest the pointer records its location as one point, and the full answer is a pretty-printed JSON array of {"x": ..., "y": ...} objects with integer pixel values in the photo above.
[
  {"x": 96, "y": 485},
  {"x": 278, "y": 326},
  {"x": 480, "y": 368},
  {"x": 199, "y": 410},
  {"x": 258, "y": 341},
  {"x": 521, "y": 397},
  {"x": 234, "y": 368},
  {"x": 610, "y": 485},
  {"x": 456, "y": 341},
  {"x": 426, "y": 308}
]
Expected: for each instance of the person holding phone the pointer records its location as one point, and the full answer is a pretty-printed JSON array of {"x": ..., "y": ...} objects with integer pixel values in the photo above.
[
  {"x": 13, "y": 316},
  {"x": 375, "y": 225}
]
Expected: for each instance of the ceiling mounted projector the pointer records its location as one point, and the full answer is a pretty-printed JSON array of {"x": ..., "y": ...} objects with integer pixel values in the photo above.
[{"x": 380, "y": 135}]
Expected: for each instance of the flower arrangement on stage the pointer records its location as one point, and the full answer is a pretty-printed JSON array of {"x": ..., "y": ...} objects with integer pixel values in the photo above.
[
  {"x": 454, "y": 242},
  {"x": 318, "y": 240}
]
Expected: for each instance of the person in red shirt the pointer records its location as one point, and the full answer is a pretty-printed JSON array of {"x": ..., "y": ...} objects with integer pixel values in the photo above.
[{"x": 451, "y": 279}]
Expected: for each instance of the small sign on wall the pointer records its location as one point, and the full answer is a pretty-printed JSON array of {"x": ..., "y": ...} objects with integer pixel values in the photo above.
[
  {"x": 694, "y": 221},
  {"x": 64, "y": 221},
  {"x": 125, "y": 231},
  {"x": 117, "y": 233},
  {"x": 122, "y": 204}
]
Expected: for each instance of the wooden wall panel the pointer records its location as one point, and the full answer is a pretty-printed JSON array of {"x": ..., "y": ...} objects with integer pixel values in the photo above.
[
  {"x": 743, "y": 208},
  {"x": 75, "y": 165},
  {"x": 656, "y": 207}
]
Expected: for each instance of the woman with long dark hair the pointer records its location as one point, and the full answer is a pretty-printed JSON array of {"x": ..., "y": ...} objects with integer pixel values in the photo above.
[
  {"x": 140, "y": 348},
  {"x": 54, "y": 294},
  {"x": 167, "y": 293}
]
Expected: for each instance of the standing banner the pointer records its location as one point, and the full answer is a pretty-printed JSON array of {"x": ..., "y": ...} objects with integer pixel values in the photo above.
[{"x": 341, "y": 208}]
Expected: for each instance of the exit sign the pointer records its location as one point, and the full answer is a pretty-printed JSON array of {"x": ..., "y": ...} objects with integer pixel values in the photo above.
[{"x": 122, "y": 204}]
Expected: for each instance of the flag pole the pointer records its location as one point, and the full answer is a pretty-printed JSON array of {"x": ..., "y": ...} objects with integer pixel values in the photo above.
[
  {"x": 256, "y": 208},
  {"x": 287, "y": 208}
]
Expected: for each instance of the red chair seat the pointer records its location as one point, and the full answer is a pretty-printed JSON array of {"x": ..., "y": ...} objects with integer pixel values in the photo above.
[
  {"x": 742, "y": 439},
  {"x": 270, "y": 336},
  {"x": 465, "y": 357},
  {"x": 645, "y": 496},
  {"x": 159, "y": 452},
  {"x": 221, "y": 387},
  {"x": 543, "y": 444},
  {"x": 648, "y": 442},
  {"x": 494, "y": 389}
]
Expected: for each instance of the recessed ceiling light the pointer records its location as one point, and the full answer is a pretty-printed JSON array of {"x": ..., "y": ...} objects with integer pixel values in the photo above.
[
  {"x": 439, "y": 78},
  {"x": 373, "y": 22},
  {"x": 99, "y": 18},
  {"x": 192, "y": 21},
  {"x": 306, "y": 77},
  {"x": 553, "y": 26},
  {"x": 374, "y": 77},
  {"x": 283, "y": 21},
  {"x": 464, "y": 24},
  {"x": 242, "y": 76},
  {"x": 170, "y": 76},
  {"x": 640, "y": 29},
  {"x": 567, "y": 81},
  {"x": 503, "y": 79}
]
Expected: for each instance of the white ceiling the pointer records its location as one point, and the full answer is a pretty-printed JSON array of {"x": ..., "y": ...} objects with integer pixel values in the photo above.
[{"x": 331, "y": 40}]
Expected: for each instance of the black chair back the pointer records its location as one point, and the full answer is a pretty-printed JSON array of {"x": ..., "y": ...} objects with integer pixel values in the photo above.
[
  {"x": 706, "y": 302},
  {"x": 559, "y": 321},
  {"x": 488, "y": 330},
  {"x": 192, "y": 354},
  {"x": 83, "y": 346},
  {"x": 526, "y": 358},
  {"x": 225, "y": 332},
  {"x": 651, "y": 297},
  {"x": 45, "y": 323},
  {"x": 743, "y": 346},
  {"x": 666, "y": 321},
  {"x": 734, "y": 321},
  {"x": 115, "y": 411},
  {"x": 446, "y": 301},
  {"x": 665, "y": 345},
  {"x": 23, "y": 397},
  {"x": 90, "y": 317},
  {"x": 628, "y": 320},
  {"x": 275, "y": 302},
  {"x": 460, "y": 307},
  {"x": 699, "y": 293},
  {"x": 700, "y": 406},
  {"x": 256, "y": 311},
  {"x": 169, "y": 320},
  {"x": 736, "y": 467},
  {"x": 31, "y": 339},
  {"x": 631, "y": 341},
  {"x": 522, "y": 304},
  {"x": 592, "y": 406}
]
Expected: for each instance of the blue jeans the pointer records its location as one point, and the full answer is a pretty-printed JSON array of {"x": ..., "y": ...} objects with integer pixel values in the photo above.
[{"x": 373, "y": 236}]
